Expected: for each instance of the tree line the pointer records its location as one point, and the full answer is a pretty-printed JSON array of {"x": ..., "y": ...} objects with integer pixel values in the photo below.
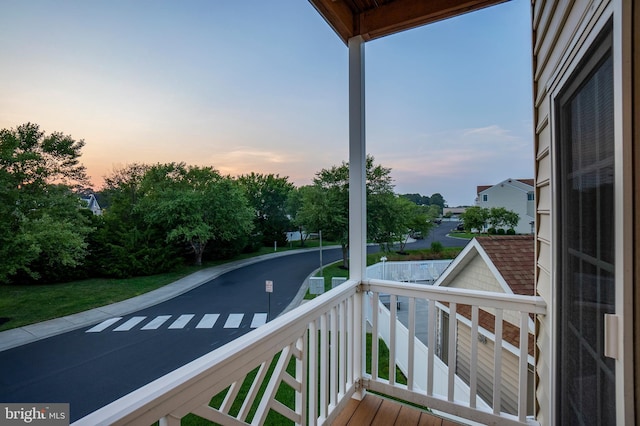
[{"x": 159, "y": 216}]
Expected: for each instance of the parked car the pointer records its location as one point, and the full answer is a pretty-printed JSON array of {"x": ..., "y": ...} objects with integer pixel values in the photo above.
[{"x": 460, "y": 227}]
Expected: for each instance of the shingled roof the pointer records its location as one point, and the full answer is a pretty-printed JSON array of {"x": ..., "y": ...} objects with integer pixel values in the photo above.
[{"x": 514, "y": 257}]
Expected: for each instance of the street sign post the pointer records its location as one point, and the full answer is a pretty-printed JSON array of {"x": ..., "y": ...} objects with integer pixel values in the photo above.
[{"x": 269, "y": 290}]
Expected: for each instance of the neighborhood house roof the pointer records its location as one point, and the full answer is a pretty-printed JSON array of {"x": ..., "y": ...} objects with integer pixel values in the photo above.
[
  {"x": 514, "y": 257},
  {"x": 481, "y": 188}
]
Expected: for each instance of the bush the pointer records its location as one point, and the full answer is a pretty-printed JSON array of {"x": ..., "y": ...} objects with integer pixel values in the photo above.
[
  {"x": 436, "y": 247},
  {"x": 491, "y": 231},
  {"x": 500, "y": 231},
  {"x": 511, "y": 231}
]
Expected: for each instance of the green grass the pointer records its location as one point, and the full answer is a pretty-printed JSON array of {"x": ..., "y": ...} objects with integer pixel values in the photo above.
[
  {"x": 29, "y": 304},
  {"x": 286, "y": 394},
  {"x": 467, "y": 235}
]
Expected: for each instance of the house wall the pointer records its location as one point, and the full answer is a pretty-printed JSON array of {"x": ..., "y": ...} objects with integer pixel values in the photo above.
[
  {"x": 562, "y": 31},
  {"x": 511, "y": 197},
  {"x": 509, "y": 376},
  {"x": 477, "y": 276}
]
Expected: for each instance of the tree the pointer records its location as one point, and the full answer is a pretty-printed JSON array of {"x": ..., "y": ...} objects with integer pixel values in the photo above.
[
  {"x": 326, "y": 206},
  {"x": 126, "y": 244},
  {"x": 294, "y": 205},
  {"x": 474, "y": 217},
  {"x": 438, "y": 200},
  {"x": 42, "y": 231},
  {"x": 268, "y": 195},
  {"x": 194, "y": 205},
  {"x": 421, "y": 200},
  {"x": 419, "y": 222},
  {"x": 499, "y": 217}
]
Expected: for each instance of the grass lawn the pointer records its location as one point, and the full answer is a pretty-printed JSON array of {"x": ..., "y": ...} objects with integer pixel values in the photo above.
[
  {"x": 285, "y": 393},
  {"x": 28, "y": 304}
]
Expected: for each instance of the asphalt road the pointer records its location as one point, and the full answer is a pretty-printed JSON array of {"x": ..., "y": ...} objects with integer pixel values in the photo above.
[{"x": 91, "y": 369}]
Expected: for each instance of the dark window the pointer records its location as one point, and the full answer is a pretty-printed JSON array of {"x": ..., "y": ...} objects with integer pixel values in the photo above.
[
  {"x": 484, "y": 197},
  {"x": 585, "y": 267},
  {"x": 530, "y": 196}
]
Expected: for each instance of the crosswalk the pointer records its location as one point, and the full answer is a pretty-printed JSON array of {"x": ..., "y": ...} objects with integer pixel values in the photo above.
[{"x": 175, "y": 322}]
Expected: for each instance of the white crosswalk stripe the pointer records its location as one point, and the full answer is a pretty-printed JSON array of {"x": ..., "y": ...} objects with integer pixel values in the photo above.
[
  {"x": 258, "y": 320},
  {"x": 207, "y": 321},
  {"x": 103, "y": 325},
  {"x": 155, "y": 323},
  {"x": 233, "y": 320},
  {"x": 181, "y": 322},
  {"x": 129, "y": 324}
]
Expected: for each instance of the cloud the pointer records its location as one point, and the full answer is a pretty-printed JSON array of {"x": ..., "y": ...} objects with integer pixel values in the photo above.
[{"x": 454, "y": 162}]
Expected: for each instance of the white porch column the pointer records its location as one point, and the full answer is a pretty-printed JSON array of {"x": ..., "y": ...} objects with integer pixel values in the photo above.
[
  {"x": 357, "y": 195},
  {"x": 357, "y": 162}
]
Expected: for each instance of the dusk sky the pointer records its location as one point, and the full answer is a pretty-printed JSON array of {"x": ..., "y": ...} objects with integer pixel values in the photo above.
[{"x": 254, "y": 85}]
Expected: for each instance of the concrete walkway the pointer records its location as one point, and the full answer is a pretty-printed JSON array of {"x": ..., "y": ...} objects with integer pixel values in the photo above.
[{"x": 33, "y": 332}]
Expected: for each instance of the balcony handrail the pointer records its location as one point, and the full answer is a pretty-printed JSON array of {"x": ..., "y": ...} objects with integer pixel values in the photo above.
[
  {"x": 516, "y": 302},
  {"x": 325, "y": 338},
  {"x": 206, "y": 376}
]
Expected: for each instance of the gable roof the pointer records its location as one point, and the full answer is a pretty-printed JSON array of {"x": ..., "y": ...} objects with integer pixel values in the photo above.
[
  {"x": 511, "y": 258},
  {"x": 528, "y": 182},
  {"x": 514, "y": 257}
]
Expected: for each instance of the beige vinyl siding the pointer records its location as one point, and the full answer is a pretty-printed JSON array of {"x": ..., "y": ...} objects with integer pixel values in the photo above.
[
  {"x": 558, "y": 26},
  {"x": 476, "y": 276},
  {"x": 509, "y": 376}
]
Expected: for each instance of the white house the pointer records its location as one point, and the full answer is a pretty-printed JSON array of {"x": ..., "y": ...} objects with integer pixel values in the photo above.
[
  {"x": 92, "y": 204},
  {"x": 513, "y": 194}
]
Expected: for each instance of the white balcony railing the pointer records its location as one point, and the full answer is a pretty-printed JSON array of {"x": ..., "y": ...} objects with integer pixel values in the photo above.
[{"x": 305, "y": 365}]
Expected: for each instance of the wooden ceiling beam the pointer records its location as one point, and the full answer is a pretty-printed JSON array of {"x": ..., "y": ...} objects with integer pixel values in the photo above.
[
  {"x": 339, "y": 17},
  {"x": 401, "y": 15}
]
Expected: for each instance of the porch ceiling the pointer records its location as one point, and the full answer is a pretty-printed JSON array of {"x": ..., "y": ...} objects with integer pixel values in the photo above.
[{"x": 377, "y": 18}]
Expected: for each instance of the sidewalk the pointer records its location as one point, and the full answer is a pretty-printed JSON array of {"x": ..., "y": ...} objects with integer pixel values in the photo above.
[{"x": 33, "y": 332}]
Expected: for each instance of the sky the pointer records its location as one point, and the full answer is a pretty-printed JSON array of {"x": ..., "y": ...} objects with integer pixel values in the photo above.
[{"x": 262, "y": 86}]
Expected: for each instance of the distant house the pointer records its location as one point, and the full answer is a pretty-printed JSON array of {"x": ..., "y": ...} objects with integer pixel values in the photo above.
[
  {"x": 454, "y": 211},
  {"x": 513, "y": 194},
  {"x": 92, "y": 204},
  {"x": 502, "y": 264}
]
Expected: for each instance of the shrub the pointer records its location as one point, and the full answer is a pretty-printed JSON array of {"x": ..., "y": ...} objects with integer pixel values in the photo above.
[
  {"x": 500, "y": 231},
  {"x": 491, "y": 231},
  {"x": 436, "y": 246},
  {"x": 511, "y": 231}
]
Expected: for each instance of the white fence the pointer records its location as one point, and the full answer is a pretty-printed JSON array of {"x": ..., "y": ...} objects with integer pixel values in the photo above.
[{"x": 426, "y": 271}]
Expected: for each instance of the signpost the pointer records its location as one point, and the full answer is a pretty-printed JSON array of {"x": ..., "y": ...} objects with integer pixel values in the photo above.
[{"x": 269, "y": 290}]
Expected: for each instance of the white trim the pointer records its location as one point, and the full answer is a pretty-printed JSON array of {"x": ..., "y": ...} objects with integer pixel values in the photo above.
[{"x": 623, "y": 98}]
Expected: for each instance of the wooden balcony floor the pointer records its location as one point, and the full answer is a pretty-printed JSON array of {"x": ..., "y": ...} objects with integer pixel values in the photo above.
[{"x": 375, "y": 410}]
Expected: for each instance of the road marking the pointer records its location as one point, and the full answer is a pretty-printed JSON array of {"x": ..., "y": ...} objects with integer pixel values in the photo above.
[
  {"x": 208, "y": 321},
  {"x": 181, "y": 321},
  {"x": 258, "y": 320},
  {"x": 233, "y": 321},
  {"x": 156, "y": 322},
  {"x": 103, "y": 325},
  {"x": 129, "y": 324}
]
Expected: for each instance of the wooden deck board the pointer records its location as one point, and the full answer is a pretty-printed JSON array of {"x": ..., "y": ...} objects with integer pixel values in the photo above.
[{"x": 376, "y": 410}]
